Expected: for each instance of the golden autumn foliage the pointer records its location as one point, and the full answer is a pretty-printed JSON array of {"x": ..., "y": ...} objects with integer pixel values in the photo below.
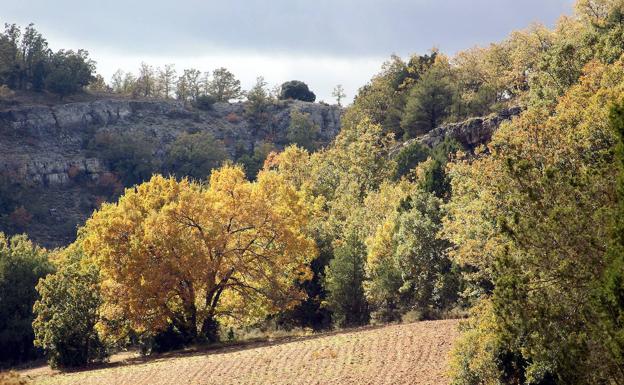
[{"x": 185, "y": 254}]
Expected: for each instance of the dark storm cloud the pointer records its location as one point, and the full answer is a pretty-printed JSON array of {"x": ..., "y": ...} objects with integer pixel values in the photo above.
[{"x": 326, "y": 27}]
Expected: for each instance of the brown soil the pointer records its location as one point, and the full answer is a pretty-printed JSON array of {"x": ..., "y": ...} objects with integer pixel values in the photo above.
[{"x": 414, "y": 353}]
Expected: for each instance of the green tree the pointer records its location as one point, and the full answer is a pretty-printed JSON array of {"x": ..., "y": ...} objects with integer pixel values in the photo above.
[
  {"x": 67, "y": 312},
  {"x": 297, "y": 90},
  {"x": 428, "y": 103},
  {"x": 194, "y": 155},
  {"x": 258, "y": 102},
  {"x": 69, "y": 72},
  {"x": 146, "y": 82},
  {"x": 22, "y": 264},
  {"x": 166, "y": 80},
  {"x": 224, "y": 86},
  {"x": 24, "y": 58},
  {"x": 344, "y": 278},
  {"x": 532, "y": 221},
  {"x": 253, "y": 163},
  {"x": 407, "y": 263},
  {"x": 302, "y": 131},
  {"x": 339, "y": 93},
  {"x": 130, "y": 155}
]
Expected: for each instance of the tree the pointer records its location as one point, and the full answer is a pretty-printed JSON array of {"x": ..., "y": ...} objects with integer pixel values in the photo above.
[
  {"x": 407, "y": 262},
  {"x": 166, "y": 80},
  {"x": 297, "y": 90},
  {"x": 428, "y": 103},
  {"x": 194, "y": 155},
  {"x": 67, "y": 312},
  {"x": 253, "y": 163},
  {"x": 129, "y": 155},
  {"x": 123, "y": 82},
  {"x": 69, "y": 72},
  {"x": 189, "y": 256},
  {"x": 344, "y": 278},
  {"x": 98, "y": 84},
  {"x": 25, "y": 57},
  {"x": 146, "y": 82},
  {"x": 22, "y": 264},
  {"x": 258, "y": 102},
  {"x": 339, "y": 93},
  {"x": 302, "y": 131},
  {"x": 532, "y": 223},
  {"x": 224, "y": 86}
]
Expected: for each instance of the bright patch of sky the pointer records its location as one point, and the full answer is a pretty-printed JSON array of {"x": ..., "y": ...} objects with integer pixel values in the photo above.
[{"x": 321, "y": 42}]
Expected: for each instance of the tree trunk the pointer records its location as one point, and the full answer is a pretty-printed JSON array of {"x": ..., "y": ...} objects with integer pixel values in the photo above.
[{"x": 209, "y": 331}]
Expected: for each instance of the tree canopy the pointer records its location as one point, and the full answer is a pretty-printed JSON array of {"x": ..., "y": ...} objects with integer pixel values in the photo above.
[{"x": 188, "y": 255}]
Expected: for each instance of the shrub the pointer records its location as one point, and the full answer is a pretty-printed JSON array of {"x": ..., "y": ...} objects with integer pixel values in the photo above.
[
  {"x": 302, "y": 131},
  {"x": 194, "y": 155},
  {"x": 67, "y": 312},
  {"x": 129, "y": 155},
  {"x": 297, "y": 90},
  {"x": 232, "y": 118},
  {"x": 5, "y": 92},
  {"x": 20, "y": 219},
  {"x": 205, "y": 102},
  {"x": 22, "y": 264}
]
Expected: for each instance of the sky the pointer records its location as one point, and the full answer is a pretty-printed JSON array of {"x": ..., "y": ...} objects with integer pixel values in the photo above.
[{"x": 321, "y": 42}]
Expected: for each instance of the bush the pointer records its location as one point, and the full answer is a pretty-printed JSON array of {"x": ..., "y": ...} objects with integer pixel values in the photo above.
[
  {"x": 22, "y": 264},
  {"x": 5, "y": 92},
  {"x": 67, "y": 312},
  {"x": 409, "y": 157},
  {"x": 194, "y": 155},
  {"x": 232, "y": 118},
  {"x": 302, "y": 131},
  {"x": 69, "y": 72},
  {"x": 204, "y": 102},
  {"x": 128, "y": 155},
  {"x": 297, "y": 90}
]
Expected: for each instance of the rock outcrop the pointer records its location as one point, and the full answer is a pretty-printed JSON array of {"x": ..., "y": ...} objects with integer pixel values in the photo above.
[
  {"x": 470, "y": 133},
  {"x": 44, "y": 146},
  {"x": 41, "y": 144}
]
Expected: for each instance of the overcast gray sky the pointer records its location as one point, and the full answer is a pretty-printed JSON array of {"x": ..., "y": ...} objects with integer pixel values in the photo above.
[{"x": 322, "y": 42}]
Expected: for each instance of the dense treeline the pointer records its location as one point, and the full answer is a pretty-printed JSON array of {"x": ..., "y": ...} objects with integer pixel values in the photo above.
[
  {"x": 26, "y": 63},
  {"x": 524, "y": 234}
]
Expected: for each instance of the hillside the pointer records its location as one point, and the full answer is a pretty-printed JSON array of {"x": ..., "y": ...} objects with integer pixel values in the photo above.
[
  {"x": 45, "y": 150},
  {"x": 414, "y": 353}
]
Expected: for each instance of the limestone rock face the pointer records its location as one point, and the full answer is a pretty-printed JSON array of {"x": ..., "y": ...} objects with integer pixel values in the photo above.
[
  {"x": 44, "y": 146},
  {"x": 41, "y": 144},
  {"x": 470, "y": 133}
]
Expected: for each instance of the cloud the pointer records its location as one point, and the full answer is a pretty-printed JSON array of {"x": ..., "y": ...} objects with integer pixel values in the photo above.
[
  {"x": 325, "y": 41},
  {"x": 332, "y": 27}
]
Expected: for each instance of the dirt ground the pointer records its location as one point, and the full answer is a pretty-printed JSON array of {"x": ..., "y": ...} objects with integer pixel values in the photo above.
[{"x": 414, "y": 353}]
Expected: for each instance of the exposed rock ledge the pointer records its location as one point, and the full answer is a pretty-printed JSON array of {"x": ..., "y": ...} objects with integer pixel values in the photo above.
[
  {"x": 470, "y": 133},
  {"x": 41, "y": 144}
]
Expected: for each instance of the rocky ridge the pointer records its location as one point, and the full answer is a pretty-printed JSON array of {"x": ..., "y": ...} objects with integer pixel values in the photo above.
[
  {"x": 45, "y": 149},
  {"x": 470, "y": 133}
]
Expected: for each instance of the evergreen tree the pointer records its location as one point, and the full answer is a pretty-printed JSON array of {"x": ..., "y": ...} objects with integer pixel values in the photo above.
[{"x": 344, "y": 278}]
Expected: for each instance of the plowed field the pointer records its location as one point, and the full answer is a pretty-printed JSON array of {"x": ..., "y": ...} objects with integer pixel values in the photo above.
[{"x": 414, "y": 353}]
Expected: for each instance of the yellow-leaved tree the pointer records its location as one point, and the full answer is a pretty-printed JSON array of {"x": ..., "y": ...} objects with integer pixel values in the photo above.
[{"x": 186, "y": 255}]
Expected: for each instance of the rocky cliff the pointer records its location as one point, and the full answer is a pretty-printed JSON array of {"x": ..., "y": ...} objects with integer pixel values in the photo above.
[
  {"x": 470, "y": 133},
  {"x": 43, "y": 147}
]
